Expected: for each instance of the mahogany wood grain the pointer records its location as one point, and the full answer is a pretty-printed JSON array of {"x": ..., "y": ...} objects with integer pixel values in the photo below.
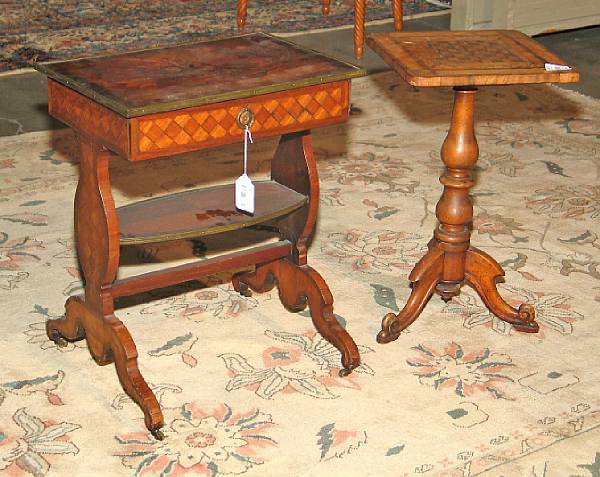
[
  {"x": 294, "y": 166},
  {"x": 201, "y": 212},
  {"x": 462, "y": 58},
  {"x": 168, "y": 79},
  {"x": 109, "y": 102},
  {"x": 193, "y": 271},
  {"x": 97, "y": 233},
  {"x": 299, "y": 285},
  {"x": 200, "y": 127}
]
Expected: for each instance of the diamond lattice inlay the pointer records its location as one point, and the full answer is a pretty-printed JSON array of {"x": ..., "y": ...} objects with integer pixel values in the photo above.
[
  {"x": 193, "y": 126},
  {"x": 87, "y": 116}
]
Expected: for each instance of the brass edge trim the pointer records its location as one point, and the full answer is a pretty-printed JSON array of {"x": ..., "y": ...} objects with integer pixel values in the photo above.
[
  {"x": 241, "y": 94},
  {"x": 212, "y": 230},
  {"x": 111, "y": 104},
  {"x": 316, "y": 52},
  {"x": 128, "y": 113}
]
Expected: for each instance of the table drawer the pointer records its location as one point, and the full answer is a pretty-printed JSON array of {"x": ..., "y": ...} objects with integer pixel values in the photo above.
[
  {"x": 216, "y": 124},
  {"x": 199, "y": 127}
]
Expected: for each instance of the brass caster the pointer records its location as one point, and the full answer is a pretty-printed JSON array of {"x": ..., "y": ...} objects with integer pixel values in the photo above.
[
  {"x": 245, "y": 290},
  {"x": 346, "y": 371},
  {"x": 158, "y": 434},
  {"x": 300, "y": 306},
  {"x": 59, "y": 340},
  {"x": 448, "y": 290}
]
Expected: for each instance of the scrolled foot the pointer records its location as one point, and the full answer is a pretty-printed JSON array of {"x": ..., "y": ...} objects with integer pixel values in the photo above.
[
  {"x": 244, "y": 289},
  {"x": 157, "y": 434},
  {"x": 125, "y": 356},
  {"x": 69, "y": 328},
  {"x": 526, "y": 321},
  {"x": 424, "y": 277},
  {"x": 346, "y": 371},
  {"x": 299, "y": 305},
  {"x": 390, "y": 329},
  {"x": 261, "y": 280},
  {"x": 57, "y": 338},
  {"x": 483, "y": 272}
]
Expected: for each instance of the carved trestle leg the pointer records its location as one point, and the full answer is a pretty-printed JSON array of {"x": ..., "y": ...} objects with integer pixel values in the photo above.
[
  {"x": 299, "y": 285},
  {"x": 97, "y": 237},
  {"x": 451, "y": 260}
]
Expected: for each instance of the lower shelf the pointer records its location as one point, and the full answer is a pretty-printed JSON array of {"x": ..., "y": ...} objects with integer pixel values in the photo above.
[{"x": 202, "y": 212}]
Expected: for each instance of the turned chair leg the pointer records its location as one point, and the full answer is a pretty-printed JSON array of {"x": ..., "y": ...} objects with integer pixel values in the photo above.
[
  {"x": 359, "y": 28},
  {"x": 397, "y": 12},
  {"x": 242, "y": 12},
  {"x": 359, "y": 23}
]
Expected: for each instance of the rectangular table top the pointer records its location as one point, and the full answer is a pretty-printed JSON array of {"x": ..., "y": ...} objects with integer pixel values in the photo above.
[
  {"x": 166, "y": 79},
  {"x": 469, "y": 58}
]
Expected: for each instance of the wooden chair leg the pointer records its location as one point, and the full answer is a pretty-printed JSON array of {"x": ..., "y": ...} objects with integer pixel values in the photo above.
[
  {"x": 397, "y": 12},
  {"x": 242, "y": 11},
  {"x": 359, "y": 27},
  {"x": 326, "y": 4}
]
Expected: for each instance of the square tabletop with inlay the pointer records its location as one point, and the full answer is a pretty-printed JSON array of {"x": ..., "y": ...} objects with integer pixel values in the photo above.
[{"x": 469, "y": 58}]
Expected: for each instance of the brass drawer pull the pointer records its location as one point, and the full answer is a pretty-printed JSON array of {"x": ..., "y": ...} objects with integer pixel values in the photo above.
[{"x": 245, "y": 118}]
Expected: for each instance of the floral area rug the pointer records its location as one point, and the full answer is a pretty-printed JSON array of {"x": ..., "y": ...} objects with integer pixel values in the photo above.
[
  {"x": 39, "y": 30},
  {"x": 250, "y": 389}
]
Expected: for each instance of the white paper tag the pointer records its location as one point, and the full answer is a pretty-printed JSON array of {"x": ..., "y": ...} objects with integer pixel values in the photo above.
[
  {"x": 554, "y": 67},
  {"x": 244, "y": 194}
]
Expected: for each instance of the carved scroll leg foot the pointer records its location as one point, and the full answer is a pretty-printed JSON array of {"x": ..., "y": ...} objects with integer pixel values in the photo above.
[
  {"x": 424, "y": 277},
  {"x": 125, "y": 357},
  {"x": 310, "y": 286},
  {"x": 300, "y": 286},
  {"x": 482, "y": 272},
  {"x": 260, "y": 280},
  {"x": 69, "y": 328}
]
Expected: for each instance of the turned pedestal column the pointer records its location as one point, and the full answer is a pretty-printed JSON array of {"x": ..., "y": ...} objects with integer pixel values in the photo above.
[
  {"x": 451, "y": 261},
  {"x": 463, "y": 60}
]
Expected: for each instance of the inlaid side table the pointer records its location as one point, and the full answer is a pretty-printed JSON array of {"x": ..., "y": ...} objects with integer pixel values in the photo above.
[
  {"x": 161, "y": 102},
  {"x": 463, "y": 60}
]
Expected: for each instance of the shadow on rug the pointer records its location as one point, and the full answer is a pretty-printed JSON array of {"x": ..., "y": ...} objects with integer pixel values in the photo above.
[
  {"x": 250, "y": 389},
  {"x": 39, "y": 30}
]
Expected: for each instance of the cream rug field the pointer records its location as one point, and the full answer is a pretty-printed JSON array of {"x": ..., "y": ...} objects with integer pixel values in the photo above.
[{"x": 250, "y": 389}]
